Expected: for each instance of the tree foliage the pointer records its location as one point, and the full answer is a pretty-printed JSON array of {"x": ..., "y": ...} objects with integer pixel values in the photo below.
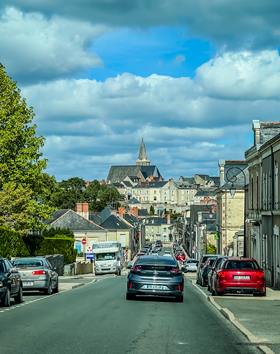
[
  {"x": 58, "y": 231},
  {"x": 211, "y": 249},
  {"x": 152, "y": 210}
]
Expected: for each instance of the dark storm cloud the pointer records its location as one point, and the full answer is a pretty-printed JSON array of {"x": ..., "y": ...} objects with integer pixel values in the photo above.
[{"x": 236, "y": 23}]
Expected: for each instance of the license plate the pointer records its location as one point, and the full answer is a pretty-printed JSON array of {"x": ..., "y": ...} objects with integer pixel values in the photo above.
[
  {"x": 155, "y": 287},
  {"x": 27, "y": 283},
  {"x": 241, "y": 277}
]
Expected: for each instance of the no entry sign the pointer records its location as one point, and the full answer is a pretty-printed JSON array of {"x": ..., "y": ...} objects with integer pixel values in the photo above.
[{"x": 84, "y": 241}]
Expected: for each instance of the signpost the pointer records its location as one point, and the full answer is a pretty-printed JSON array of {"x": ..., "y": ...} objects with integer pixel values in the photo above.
[
  {"x": 89, "y": 253},
  {"x": 84, "y": 241}
]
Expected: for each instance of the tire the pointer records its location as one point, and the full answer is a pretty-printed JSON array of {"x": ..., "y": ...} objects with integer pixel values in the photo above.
[
  {"x": 6, "y": 302},
  {"x": 19, "y": 298},
  {"x": 120, "y": 272},
  {"x": 217, "y": 293},
  {"x": 130, "y": 296},
  {"x": 179, "y": 298},
  {"x": 48, "y": 291},
  {"x": 56, "y": 289}
]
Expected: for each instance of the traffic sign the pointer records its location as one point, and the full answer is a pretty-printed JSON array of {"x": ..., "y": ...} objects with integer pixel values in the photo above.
[
  {"x": 89, "y": 250},
  {"x": 84, "y": 241},
  {"x": 194, "y": 248},
  {"x": 90, "y": 256}
]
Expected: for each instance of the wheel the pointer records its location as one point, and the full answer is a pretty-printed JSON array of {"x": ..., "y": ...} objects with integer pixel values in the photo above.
[
  {"x": 19, "y": 298},
  {"x": 179, "y": 298},
  {"x": 6, "y": 302},
  {"x": 130, "y": 296},
  {"x": 217, "y": 293},
  {"x": 120, "y": 272},
  {"x": 56, "y": 290},
  {"x": 48, "y": 291}
]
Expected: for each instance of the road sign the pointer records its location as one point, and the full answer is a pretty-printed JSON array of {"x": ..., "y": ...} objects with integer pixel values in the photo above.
[
  {"x": 89, "y": 250},
  {"x": 194, "y": 248},
  {"x": 84, "y": 241},
  {"x": 90, "y": 256}
]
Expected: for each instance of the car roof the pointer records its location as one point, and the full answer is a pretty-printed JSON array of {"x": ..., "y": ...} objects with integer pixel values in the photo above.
[
  {"x": 40, "y": 258},
  {"x": 157, "y": 260}
]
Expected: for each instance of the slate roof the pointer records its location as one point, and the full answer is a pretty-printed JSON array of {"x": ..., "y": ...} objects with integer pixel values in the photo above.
[
  {"x": 105, "y": 214},
  {"x": 133, "y": 201},
  {"x": 56, "y": 215},
  {"x": 119, "y": 173},
  {"x": 143, "y": 212},
  {"x": 158, "y": 221},
  {"x": 216, "y": 180},
  {"x": 115, "y": 223},
  {"x": 190, "y": 180},
  {"x": 184, "y": 185},
  {"x": 75, "y": 222},
  {"x": 130, "y": 218},
  {"x": 95, "y": 218},
  {"x": 155, "y": 184},
  {"x": 118, "y": 185},
  {"x": 206, "y": 192},
  {"x": 127, "y": 183}
]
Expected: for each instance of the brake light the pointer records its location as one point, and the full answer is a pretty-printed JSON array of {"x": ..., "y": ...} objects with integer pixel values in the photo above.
[
  {"x": 179, "y": 287},
  {"x": 137, "y": 268},
  {"x": 201, "y": 265},
  {"x": 223, "y": 273},
  {"x": 38, "y": 272},
  {"x": 175, "y": 270},
  {"x": 259, "y": 274},
  {"x": 130, "y": 286}
]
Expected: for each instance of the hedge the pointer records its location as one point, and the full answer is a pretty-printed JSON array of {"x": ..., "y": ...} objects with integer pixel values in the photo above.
[
  {"x": 11, "y": 244},
  {"x": 59, "y": 245}
]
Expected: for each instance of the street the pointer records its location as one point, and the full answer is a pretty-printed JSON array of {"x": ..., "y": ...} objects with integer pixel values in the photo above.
[{"x": 97, "y": 318}]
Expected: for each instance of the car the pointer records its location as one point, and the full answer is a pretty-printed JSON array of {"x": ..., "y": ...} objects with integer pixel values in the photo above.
[
  {"x": 175, "y": 245},
  {"x": 155, "y": 276},
  {"x": 140, "y": 254},
  {"x": 177, "y": 250},
  {"x": 37, "y": 274},
  {"x": 10, "y": 283},
  {"x": 180, "y": 256},
  {"x": 214, "y": 267},
  {"x": 167, "y": 254},
  {"x": 158, "y": 243},
  {"x": 191, "y": 265},
  {"x": 205, "y": 270},
  {"x": 239, "y": 275},
  {"x": 154, "y": 251},
  {"x": 144, "y": 250},
  {"x": 201, "y": 264}
]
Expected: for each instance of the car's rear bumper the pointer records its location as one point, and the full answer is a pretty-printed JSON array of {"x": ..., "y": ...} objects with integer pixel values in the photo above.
[
  {"x": 174, "y": 289},
  {"x": 247, "y": 288},
  {"x": 37, "y": 284}
]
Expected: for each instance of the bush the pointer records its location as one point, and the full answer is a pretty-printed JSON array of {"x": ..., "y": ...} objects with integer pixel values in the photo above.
[
  {"x": 11, "y": 244},
  {"x": 54, "y": 231},
  {"x": 33, "y": 243},
  {"x": 211, "y": 249},
  {"x": 59, "y": 244}
]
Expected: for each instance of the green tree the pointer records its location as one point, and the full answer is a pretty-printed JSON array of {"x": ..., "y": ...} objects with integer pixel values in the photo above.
[
  {"x": 20, "y": 157},
  {"x": 68, "y": 192},
  {"x": 58, "y": 231},
  {"x": 211, "y": 249},
  {"x": 100, "y": 195},
  {"x": 20, "y": 211},
  {"x": 152, "y": 210}
]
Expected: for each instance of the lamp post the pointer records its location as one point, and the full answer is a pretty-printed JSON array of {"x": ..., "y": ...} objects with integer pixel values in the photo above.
[{"x": 233, "y": 179}]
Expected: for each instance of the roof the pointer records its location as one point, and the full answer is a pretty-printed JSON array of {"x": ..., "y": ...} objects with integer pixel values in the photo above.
[
  {"x": 127, "y": 183},
  {"x": 118, "y": 185},
  {"x": 56, "y": 215},
  {"x": 206, "y": 192},
  {"x": 158, "y": 221},
  {"x": 184, "y": 185},
  {"x": 115, "y": 223},
  {"x": 130, "y": 218},
  {"x": 133, "y": 201},
  {"x": 75, "y": 222},
  {"x": 119, "y": 173},
  {"x": 152, "y": 184},
  {"x": 189, "y": 180},
  {"x": 105, "y": 214},
  {"x": 143, "y": 212}
]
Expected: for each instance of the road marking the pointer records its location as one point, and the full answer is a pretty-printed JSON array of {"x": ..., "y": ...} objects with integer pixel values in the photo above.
[{"x": 202, "y": 292}]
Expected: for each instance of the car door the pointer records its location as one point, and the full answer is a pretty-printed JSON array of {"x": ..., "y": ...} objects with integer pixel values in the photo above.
[
  {"x": 12, "y": 278},
  {"x": 52, "y": 273},
  {"x": 216, "y": 272}
]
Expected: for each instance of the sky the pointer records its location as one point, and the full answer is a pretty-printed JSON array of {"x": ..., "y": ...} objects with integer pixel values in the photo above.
[{"x": 189, "y": 77}]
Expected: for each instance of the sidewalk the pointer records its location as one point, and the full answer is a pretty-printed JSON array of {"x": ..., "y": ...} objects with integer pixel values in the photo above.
[{"x": 257, "y": 318}]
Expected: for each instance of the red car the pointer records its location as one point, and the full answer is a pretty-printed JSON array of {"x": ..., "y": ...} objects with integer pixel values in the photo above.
[
  {"x": 140, "y": 254},
  {"x": 239, "y": 275},
  {"x": 180, "y": 256}
]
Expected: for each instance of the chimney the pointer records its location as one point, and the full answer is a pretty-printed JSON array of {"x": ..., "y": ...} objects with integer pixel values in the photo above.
[
  {"x": 85, "y": 210},
  {"x": 135, "y": 212},
  {"x": 256, "y": 129},
  {"x": 170, "y": 179},
  {"x": 103, "y": 181},
  {"x": 151, "y": 178},
  {"x": 182, "y": 212},
  {"x": 147, "y": 182},
  {"x": 139, "y": 183},
  {"x": 88, "y": 183},
  {"x": 79, "y": 208},
  {"x": 160, "y": 179},
  {"x": 168, "y": 219},
  {"x": 120, "y": 210},
  {"x": 222, "y": 171}
]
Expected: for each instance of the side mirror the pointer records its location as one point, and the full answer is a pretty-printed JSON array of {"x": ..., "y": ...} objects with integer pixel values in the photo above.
[{"x": 184, "y": 269}]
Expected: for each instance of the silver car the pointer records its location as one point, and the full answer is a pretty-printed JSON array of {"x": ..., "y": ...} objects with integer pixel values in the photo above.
[{"x": 37, "y": 274}]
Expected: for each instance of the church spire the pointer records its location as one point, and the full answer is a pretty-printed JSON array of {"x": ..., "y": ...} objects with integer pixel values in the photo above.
[{"x": 143, "y": 158}]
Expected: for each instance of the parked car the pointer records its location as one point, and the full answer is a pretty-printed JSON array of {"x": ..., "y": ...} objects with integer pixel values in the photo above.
[
  {"x": 167, "y": 254},
  {"x": 180, "y": 256},
  {"x": 205, "y": 270},
  {"x": 211, "y": 272},
  {"x": 37, "y": 274},
  {"x": 158, "y": 243},
  {"x": 239, "y": 275},
  {"x": 201, "y": 264},
  {"x": 144, "y": 250},
  {"x": 177, "y": 250},
  {"x": 191, "y": 265},
  {"x": 140, "y": 254},
  {"x": 10, "y": 283},
  {"x": 175, "y": 245},
  {"x": 155, "y": 276}
]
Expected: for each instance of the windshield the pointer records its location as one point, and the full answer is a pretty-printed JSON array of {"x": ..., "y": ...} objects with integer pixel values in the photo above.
[
  {"x": 22, "y": 263},
  {"x": 2, "y": 267},
  {"x": 105, "y": 256},
  {"x": 104, "y": 245}
]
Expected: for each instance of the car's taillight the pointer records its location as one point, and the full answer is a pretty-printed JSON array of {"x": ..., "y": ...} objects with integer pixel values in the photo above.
[
  {"x": 137, "y": 268},
  {"x": 130, "y": 286},
  {"x": 38, "y": 272},
  {"x": 259, "y": 274},
  {"x": 187, "y": 265},
  {"x": 223, "y": 273},
  {"x": 175, "y": 270},
  {"x": 201, "y": 265},
  {"x": 179, "y": 287}
]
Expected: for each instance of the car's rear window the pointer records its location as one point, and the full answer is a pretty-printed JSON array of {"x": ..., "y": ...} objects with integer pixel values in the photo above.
[
  {"x": 211, "y": 261},
  {"x": 154, "y": 267},
  {"x": 21, "y": 263},
  {"x": 192, "y": 261},
  {"x": 241, "y": 265}
]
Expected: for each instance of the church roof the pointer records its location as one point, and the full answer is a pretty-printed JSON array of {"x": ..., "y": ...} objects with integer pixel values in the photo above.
[
  {"x": 143, "y": 152},
  {"x": 119, "y": 173}
]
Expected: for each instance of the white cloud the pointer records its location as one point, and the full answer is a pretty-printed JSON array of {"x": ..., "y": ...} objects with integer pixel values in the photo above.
[
  {"x": 179, "y": 59},
  {"x": 36, "y": 48}
]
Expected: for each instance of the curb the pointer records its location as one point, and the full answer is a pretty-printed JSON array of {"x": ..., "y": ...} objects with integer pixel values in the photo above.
[
  {"x": 77, "y": 286},
  {"x": 231, "y": 318}
]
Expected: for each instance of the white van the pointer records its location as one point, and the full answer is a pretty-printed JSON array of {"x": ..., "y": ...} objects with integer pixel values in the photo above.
[{"x": 108, "y": 257}]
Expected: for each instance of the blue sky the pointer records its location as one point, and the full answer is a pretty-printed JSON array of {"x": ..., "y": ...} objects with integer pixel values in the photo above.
[{"x": 189, "y": 79}]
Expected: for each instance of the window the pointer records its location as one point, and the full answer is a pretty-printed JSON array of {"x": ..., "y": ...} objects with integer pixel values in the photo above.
[
  {"x": 165, "y": 198},
  {"x": 158, "y": 229},
  {"x": 164, "y": 229},
  {"x": 192, "y": 192},
  {"x": 155, "y": 192},
  {"x": 252, "y": 193},
  {"x": 187, "y": 199},
  {"x": 152, "y": 229},
  {"x": 187, "y": 192},
  {"x": 172, "y": 192},
  {"x": 155, "y": 198}
]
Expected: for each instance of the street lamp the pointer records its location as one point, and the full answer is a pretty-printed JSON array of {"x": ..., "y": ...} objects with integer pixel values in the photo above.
[{"x": 232, "y": 191}]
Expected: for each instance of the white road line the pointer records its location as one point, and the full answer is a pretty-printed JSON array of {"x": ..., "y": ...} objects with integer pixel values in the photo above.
[{"x": 200, "y": 290}]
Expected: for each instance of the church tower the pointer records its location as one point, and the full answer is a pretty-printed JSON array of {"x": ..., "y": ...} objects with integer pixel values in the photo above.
[{"x": 143, "y": 158}]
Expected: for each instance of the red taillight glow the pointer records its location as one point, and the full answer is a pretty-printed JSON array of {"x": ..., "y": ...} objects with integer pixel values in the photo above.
[
  {"x": 175, "y": 270},
  {"x": 223, "y": 273},
  {"x": 201, "y": 265},
  {"x": 38, "y": 272},
  {"x": 179, "y": 287},
  {"x": 130, "y": 286},
  {"x": 136, "y": 268},
  {"x": 259, "y": 274}
]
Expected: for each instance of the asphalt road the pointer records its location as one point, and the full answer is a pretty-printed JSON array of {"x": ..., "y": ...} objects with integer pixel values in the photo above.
[{"x": 97, "y": 318}]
